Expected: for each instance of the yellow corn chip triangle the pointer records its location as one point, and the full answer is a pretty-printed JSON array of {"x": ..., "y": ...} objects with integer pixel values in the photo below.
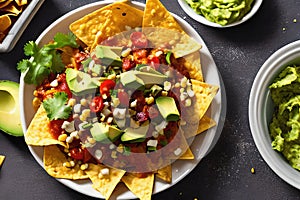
[
  {"x": 142, "y": 187},
  {"x": 38, "y": 132},
  {"x": 97, "y": 26},
  {"x": 204, "y": 93},
  {"x": 204, "y": 124},
  {"x": 156, "y": 15},
  {"x": 54, "y": 161},
  {"x": 160, "y": 31},
  {"x": 165, "y": 173},
  {"x": 105, "y": 184}
]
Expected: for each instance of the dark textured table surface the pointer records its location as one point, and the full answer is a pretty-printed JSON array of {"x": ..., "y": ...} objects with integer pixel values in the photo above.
[{"x": 225, "y": 173}]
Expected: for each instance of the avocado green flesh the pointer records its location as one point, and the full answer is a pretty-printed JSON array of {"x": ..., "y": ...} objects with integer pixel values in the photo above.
[
  {"x": 80, "y": 83},
  {"x": 167, "y": 108},
  {"x": 109, "y": 55},
  {"x": 135, "y": 134},
  {"x": 10, "y": 121},
  {"x": 138, "y": 79},
  {"x": 105, "y": 133},
  {"x": 285, "y": 124},
  {"x": 222, "y": 12}
]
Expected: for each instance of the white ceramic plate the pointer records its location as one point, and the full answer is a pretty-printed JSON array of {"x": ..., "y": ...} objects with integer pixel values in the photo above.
[
  {"x": 261, "y": 109},
  {"x": 201, "y": 145},
  {"x": 19, "y": 26},
  {"x": 203, "y": 20}
]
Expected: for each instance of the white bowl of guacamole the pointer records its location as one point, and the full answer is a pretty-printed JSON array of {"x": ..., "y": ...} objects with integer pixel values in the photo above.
[
  {"x": 220, "y": 13},
  {"x": 273, "y": 127}
]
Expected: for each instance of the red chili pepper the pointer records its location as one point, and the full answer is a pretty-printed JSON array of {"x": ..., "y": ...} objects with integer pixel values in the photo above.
[
  {"x": 97, "y": 104},
  {"x": 106, "y": 86},
  {"x": 139, "y": 39},
  {"x": 123, "y": 97},
  {"x": 77, "y": 153}
]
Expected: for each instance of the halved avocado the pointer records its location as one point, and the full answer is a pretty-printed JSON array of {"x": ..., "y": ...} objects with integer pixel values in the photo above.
[{"x": 10, "y": 121}]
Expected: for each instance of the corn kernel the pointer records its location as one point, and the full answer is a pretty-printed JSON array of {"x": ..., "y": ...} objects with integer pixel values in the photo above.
[
  {"x": 84, "y": 166},
  {"x": 62, "y": 137},
  {"x": 149, "y": 100}
]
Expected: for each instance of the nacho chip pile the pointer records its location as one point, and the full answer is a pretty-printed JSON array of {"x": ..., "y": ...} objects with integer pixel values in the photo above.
[
  {"x": 93, "y": 29},
  {"x": 10, "y": 10}
]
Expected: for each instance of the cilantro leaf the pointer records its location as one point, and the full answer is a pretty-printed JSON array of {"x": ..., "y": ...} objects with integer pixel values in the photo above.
[
  {"x": 61, "y": 40},
  {"x": 56, "y": 107},
  {"x": 44, "y": 60}
]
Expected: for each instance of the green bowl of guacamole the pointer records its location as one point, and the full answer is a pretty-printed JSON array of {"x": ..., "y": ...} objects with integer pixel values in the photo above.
[
  {"x": 273, "y": 112},
  {"x": 220, "y": 13}
]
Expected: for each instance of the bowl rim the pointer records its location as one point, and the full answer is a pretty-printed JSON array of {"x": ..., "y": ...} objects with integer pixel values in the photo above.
[
  {"x": 257, "y": 111},
  {"x": 188, "y": 10}
]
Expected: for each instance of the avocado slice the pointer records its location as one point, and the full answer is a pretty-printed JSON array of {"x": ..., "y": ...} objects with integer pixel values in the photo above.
[
  {"x": 135, "y": 134},
  {"x": 138, "y": 79},
  {"x": 80, "y": 83},
  {"x": 10, "y": 121},
  {"x": 167, "y": 108},
  {"x": 130, "y": 80},
  {"x": 105, "y": 133},
  {"x": 109, "y": 55}
]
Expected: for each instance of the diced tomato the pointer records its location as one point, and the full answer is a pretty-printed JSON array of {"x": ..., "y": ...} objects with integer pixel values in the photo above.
[
  {"x": 123, "y": 97},
  {"x": 127, "y": 64},
  {"x": 106, "y": 86},
  {"x": 86, "y": 155},
  {"x": 55, "y": 127},
  {"x": 77, "y": 153},
  {"x": 79, "y": 57},
  {"x": 139, "y": 39},
  {"x": 97, "y": 104},
  {"x": 154, "y": 61},
  {"x": 63, "y": 86}
]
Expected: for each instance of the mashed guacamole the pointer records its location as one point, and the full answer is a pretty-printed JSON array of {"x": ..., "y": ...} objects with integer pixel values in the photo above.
[
  {"x": 285, "y": 124},
  {"x": 223, "y": 12}
]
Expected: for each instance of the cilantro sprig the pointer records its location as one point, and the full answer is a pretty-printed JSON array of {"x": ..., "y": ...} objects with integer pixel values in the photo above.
[
  {"x": 44, "y": 60},
  {"x": 56, "y": 107}
]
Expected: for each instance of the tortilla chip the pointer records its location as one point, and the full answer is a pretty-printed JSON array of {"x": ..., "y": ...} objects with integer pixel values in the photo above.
[
  {"x": 53, "y": 164},
  {"x": 105, "y": 184},
  {"x": 156, "y": 15},
  {"x": 5, "y": 22},
  {"x": 140, "y": 186},
  {"x": 182, "y": 146},
  {"x": 38, "y": 132},
  {"x": 13, "y": 10},
  {"x": 21, "y": 2},
  {"x": 204, "y": 93},
  {"x": 97, "y": 26},
  {"x": 204, "y": 124},
  {"x": 193, "y": 65},
  {"x": 5, "y": 3},
  {"x": 165, "y": 173},
  {"x": 2, "y": 158},
  {"x": 187, "y": 155}
]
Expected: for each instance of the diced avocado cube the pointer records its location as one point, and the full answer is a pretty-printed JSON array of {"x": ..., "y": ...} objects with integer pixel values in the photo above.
[
  {"x": 108, "y": 55},
  {"x": 79, "y": 82},
  {"x": 167, "y": 108},
  {"x": 130, "y": 80},
  {"x": 100, "y": 131},
  {"x": 105, "y": 133},
  {"x": 135, "y": 134}
]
